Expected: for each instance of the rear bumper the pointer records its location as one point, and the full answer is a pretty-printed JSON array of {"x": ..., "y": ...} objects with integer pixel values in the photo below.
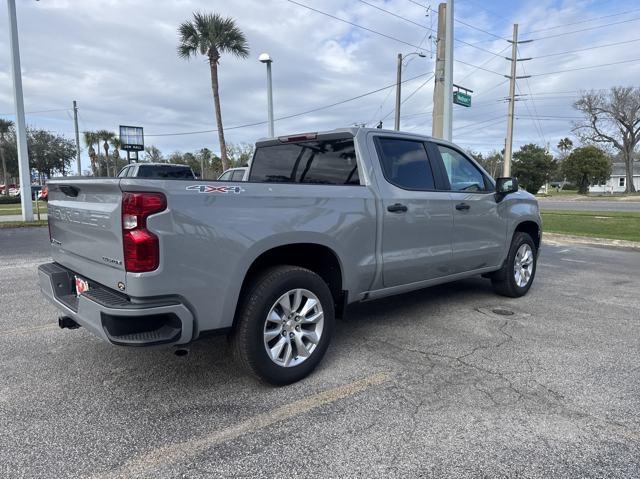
[{"x": 115, "y": 317}]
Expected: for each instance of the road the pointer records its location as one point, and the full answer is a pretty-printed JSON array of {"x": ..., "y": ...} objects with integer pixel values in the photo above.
[
  {"x": 428, "y": 384},
  {"x": 589, "y": 205}
]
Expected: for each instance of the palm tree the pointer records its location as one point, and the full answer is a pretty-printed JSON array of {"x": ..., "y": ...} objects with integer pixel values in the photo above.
[
  {"x": 565, "y": 145},
  {"x": 115, "y": 143},
  {"x": 90, "y": 138},
  {"x": 106, "y": 136},
  {"x": 211, "y": 35},
  {"x": 5, "y": 126}
]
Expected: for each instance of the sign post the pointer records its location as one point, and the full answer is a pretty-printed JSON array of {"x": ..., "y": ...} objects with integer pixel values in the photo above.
[{"x": 131, "y": 141}]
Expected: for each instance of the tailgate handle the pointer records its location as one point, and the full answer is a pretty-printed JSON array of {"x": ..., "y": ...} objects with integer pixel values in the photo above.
[{"x": 68, "y": 190}]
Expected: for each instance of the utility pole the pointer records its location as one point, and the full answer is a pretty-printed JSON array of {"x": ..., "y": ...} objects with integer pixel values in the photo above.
[
  {"x": 75, "y": 122},
  {"x": 438, "y": 89},
  {"x": 447, "y": 121},
  {"x": 398, "y": 92},
  {"x": 508, "y": 147},
  {"x": 21, "y": 129}
]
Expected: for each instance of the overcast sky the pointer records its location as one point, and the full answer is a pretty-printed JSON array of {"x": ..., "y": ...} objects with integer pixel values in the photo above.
[{"x": 118, "y": 60}]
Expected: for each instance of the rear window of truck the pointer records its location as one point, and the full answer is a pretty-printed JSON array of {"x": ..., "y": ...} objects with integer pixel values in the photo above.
[
  {"x": 161, "y": 171},
  {"x": 321, "y": 162}
]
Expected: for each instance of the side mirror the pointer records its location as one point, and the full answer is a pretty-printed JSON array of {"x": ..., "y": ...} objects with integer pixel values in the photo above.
[{"x": 504, "y": 186}]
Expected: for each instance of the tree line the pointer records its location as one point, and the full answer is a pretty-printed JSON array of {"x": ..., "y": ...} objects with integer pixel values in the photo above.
[
  {"x": 534, "y": 166},
  {"x": 203, "y": 162},
  {"x": 49, "y": 153}
]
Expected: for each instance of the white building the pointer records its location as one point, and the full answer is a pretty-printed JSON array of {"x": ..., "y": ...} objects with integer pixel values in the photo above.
[{"x": 617, "y": 183}]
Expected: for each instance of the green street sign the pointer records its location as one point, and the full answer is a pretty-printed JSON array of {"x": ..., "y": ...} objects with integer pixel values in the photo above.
[{"x": 461, "y": 99}]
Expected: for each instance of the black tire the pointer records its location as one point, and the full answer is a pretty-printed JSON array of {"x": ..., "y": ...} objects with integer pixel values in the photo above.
[
  {"x": 247, "y": 339},
  {"x": 503, "y": 281}
]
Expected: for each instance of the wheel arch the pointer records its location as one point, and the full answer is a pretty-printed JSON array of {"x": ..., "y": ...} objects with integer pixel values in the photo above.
[
  {"x": 532, "y": 228},
  {"x": 317, "y": 257}
]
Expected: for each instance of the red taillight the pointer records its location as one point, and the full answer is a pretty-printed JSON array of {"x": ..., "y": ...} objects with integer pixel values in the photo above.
[{"x": 141, "y": 247}]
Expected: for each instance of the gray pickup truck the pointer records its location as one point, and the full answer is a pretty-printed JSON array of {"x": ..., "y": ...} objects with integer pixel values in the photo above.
[{"x": 325, "y": 219}]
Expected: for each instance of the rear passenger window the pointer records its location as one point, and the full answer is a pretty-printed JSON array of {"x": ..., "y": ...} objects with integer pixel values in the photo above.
[
  {"x": 237, "y": 175},
  {"x": 323, "y": 162},
  {"x": 405, "y": 163}
]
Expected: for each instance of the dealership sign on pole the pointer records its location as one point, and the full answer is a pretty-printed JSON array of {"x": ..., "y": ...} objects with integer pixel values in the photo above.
[{"x": 131, "y": 141}]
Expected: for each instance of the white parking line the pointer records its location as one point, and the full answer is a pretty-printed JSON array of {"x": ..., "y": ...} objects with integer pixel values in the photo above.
[
  {"x": 141, "y": 466},
  {"x": 573, "y": 260}
]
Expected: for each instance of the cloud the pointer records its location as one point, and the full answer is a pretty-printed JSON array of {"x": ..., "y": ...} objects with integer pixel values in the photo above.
[{"x": 118, "y": 60}]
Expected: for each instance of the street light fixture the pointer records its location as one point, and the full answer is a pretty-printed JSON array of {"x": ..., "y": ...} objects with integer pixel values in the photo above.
[
  {"x": 401, "y": 58},
  {"x": 266, "y": 58}
]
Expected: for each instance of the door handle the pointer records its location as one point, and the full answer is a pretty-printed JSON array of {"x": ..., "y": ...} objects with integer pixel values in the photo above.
[
  {"x": 397, "y": 208},
  {"x": 462, "y": 206}
]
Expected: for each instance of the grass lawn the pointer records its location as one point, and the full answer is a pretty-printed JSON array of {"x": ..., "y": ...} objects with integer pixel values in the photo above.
[
  {"x": 603, "y": 224},
  {"x": 21, "y": 224},
  {"x": 16, "y": 209}
]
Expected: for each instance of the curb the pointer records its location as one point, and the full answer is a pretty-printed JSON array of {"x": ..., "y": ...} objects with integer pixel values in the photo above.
[{"x": 590, "y": 241}]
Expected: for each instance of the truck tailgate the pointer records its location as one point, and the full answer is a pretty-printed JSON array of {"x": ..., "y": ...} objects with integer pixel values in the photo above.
[{"x": 86, "y": 228}]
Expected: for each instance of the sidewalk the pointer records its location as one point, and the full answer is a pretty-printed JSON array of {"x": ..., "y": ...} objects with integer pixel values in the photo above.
[
  {"x": 570, "y": 198},
  {"x": 558, "y": 238}
]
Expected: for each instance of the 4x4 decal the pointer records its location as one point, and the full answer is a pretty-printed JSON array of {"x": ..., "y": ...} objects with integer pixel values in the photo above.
[{"x": 216, "y": 189}]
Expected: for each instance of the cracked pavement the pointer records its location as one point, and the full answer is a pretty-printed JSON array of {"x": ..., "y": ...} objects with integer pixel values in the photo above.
[{"x": 552, "y": 390}]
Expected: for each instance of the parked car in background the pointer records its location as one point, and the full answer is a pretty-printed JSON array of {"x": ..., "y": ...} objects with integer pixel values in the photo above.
[
  {"x": 157, "y": 171},
  {"x": 326, "y": 219},
  {"x": 235, "y": 174}
]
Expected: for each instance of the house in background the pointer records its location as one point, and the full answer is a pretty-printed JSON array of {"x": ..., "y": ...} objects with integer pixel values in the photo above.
[{"x": 618, "y": 180}]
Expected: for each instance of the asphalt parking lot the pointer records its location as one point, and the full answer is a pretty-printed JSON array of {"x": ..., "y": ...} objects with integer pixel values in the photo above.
[{"x": 428, "y": 384}]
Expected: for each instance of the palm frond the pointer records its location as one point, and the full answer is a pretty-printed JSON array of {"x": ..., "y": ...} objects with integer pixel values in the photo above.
[
  {"x": 189, "y": 39},
  {"x": 211, "y": 33},
  {"x": 5, "y": 125}
]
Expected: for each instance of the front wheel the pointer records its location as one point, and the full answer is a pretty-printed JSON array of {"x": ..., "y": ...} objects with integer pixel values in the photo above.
[
  {"x": 284, "y": 324},
  {"x": 517, "y": 274}
]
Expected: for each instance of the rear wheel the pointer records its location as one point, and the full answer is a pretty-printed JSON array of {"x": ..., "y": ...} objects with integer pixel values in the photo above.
[
  {"x": 284, "y": 324},
  {"x": 517, "y": 274}
]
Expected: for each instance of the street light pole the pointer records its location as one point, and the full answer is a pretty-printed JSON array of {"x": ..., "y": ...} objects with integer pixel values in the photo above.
[
  {"x": 266, "y": 58},
  {"x": 75, "y": 124},
  {"x": 401, "y": 58},
  {"x": 21, "y": 130},
  {"x": 398, "y": 92}
]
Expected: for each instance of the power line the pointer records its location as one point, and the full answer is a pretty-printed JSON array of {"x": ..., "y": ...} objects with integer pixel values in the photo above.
[
  {"x": 580, "y": 22},
  {"x": 554, "y": 117},
  {"x": 491, "y": 89},
  {"x": 473, "y": 27},
  {"x": 491, "y": 122},
  {"x": 588, "y": 48},
  {"x": 533, "y": 104},
  {"x": 353, "y": 24},
  {"x": 492, "y": 12},
  {"x": 384, "y": 34},
  {"x": 482, "y": 65},
  {"x": 478, "y": 67},
  {"x": 38, "y": 111},
  {"x": 313, "y": 110},
  {"x": 587, "y": 68},
  {"x": 396, "y": 15},
  {"x": 409, "y": 96},
  {"x": 547, "y": 37}
]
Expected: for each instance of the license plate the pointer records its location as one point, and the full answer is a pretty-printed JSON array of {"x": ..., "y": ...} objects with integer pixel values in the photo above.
[{"x": 82, "y": 285}]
